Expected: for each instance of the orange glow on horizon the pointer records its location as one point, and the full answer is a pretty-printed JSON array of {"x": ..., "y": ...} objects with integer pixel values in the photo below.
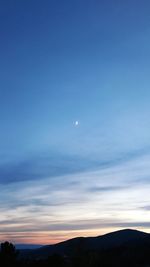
[{"x": 46, "y": 238}]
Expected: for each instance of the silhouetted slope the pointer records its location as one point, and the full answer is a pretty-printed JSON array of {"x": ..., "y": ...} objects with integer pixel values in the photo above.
[
  {"x": 117, "y": 238},
  {"x": 80, "y": 244}
]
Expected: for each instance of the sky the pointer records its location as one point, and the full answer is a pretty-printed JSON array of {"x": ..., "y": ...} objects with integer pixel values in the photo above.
[{"x": 74, "y": 118}]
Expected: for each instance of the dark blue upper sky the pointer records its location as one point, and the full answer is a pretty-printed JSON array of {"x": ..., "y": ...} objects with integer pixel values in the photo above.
[
  {"x": 67, "y": 61},
  {"x": 70, "y": 60}
]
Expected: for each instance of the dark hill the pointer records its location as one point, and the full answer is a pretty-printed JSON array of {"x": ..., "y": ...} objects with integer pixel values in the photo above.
[{"x": 76, "y": 245}]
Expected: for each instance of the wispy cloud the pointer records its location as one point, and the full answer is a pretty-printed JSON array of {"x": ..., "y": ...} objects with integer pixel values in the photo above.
[
  {"x": 51, "y": 164},
  {"x": 107, "y": 197},
  {"x": 146, "y": 208}
]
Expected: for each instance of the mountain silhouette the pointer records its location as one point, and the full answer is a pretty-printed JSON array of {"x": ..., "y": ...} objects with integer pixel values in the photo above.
[{"x": 73, "y": 246}]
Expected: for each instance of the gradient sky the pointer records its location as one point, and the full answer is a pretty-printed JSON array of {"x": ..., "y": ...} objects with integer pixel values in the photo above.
[{"x": 62, "y": 62}]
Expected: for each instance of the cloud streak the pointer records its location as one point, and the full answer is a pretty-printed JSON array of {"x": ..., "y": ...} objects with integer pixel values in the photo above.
[
  {"x": 52, "y": 164},
  {"x": 111, "y": 196}
]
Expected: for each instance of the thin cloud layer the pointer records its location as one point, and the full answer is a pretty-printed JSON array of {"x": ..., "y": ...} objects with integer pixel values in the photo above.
[{"x": 111, "y": 196}]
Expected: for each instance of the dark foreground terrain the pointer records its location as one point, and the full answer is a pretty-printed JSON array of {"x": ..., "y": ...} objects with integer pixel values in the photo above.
[{"x": 118, "y": 249}]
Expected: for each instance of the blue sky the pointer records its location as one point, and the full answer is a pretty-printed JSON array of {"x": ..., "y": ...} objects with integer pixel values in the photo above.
[{"x": 62, "y": 62}]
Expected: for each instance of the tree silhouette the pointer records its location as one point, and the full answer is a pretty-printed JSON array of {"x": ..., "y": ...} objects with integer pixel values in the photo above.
[{"x": 8, "y": 254}]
